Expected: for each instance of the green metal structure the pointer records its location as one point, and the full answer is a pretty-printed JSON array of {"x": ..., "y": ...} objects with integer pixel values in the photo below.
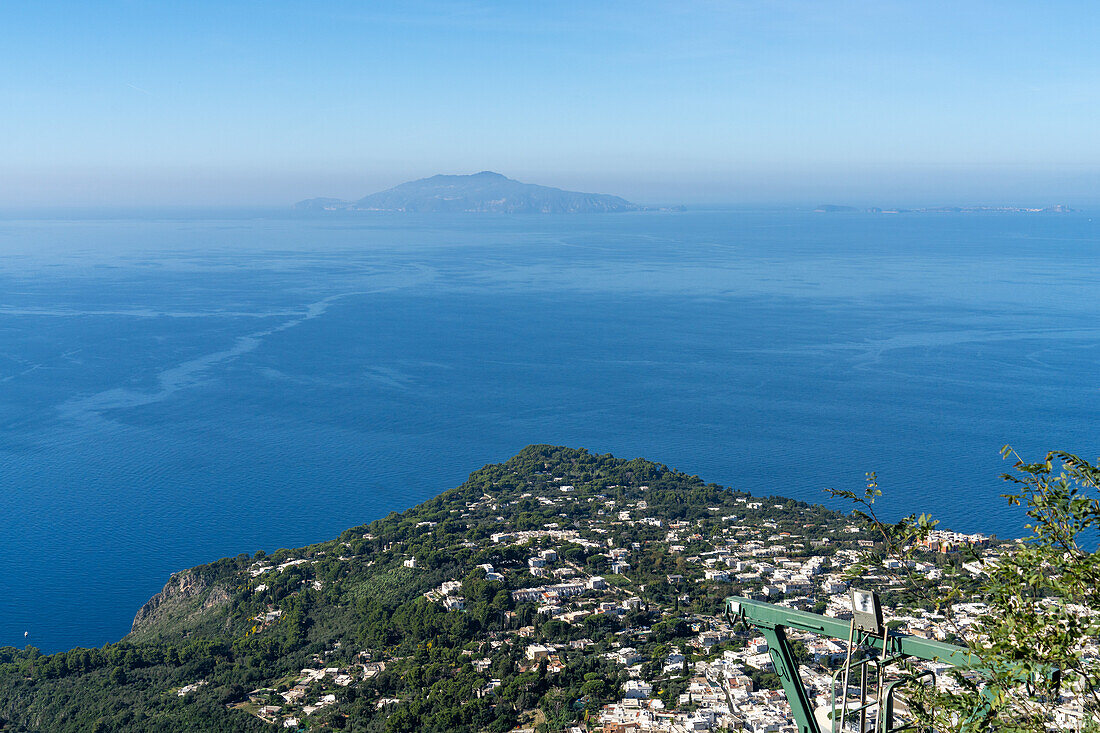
[{"x": 773, "y": 622}]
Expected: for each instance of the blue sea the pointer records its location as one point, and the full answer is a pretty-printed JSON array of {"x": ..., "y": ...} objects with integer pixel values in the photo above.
[{"x": 180, "y": 387}]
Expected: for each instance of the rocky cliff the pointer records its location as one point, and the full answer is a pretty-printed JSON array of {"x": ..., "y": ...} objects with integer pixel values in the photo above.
[{"x": 189, "y": 599}]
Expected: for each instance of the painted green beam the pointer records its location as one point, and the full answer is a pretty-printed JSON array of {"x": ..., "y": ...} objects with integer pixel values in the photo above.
[
  {"x": 786, "y": 668},
  {"x": 769, "y": 616}
]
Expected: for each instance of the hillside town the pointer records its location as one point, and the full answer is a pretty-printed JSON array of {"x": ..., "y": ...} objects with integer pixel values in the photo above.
[
  {"x": 708, "y": 674},
  {"x": 569, "y": 591}
]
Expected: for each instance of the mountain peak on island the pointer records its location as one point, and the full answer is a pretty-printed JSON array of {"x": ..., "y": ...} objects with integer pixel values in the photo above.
[
  {"x": 480, "y": 175},
  {"x": 483, "y": 192}
]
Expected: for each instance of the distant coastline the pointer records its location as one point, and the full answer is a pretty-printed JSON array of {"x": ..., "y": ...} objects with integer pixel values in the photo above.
[{"x": 835, "y": 209}]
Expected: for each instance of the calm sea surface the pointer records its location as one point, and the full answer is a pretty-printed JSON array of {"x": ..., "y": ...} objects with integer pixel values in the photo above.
[{"x": 177, "y": 390}]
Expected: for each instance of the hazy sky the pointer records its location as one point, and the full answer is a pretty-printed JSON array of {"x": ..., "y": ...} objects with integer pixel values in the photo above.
[{"x": 268, "y": 102}]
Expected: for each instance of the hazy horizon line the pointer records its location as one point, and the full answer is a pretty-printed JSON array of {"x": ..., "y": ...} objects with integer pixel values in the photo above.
[{"x": 252, "y": 210}]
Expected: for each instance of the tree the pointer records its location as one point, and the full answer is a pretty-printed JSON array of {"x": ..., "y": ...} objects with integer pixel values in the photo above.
[{"x": 1042, "y": 596}]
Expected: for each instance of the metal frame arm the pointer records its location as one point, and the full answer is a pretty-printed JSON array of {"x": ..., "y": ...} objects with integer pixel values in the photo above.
[
  {"x": 786, "y": 668},
  {"x": 766, "y": 615}
]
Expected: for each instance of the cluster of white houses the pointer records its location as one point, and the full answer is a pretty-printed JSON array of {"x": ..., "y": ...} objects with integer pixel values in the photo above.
[{"x": 796, "y": 565}]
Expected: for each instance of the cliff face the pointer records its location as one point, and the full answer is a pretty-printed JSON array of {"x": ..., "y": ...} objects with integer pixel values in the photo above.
[{"x": 187, "y": 600}]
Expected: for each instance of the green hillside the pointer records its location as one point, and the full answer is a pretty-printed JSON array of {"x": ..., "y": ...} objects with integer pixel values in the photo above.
[{"x": 364, "y": 633}]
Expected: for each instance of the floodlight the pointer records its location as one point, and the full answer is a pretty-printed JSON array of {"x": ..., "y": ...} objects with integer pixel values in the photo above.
[{"x": 867, "y": 611}]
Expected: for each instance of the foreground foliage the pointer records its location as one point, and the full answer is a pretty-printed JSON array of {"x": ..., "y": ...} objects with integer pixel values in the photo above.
[{"x": 1037, "y": 639}]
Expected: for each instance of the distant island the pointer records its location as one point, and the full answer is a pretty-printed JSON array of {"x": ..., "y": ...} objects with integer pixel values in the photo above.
[
  {"x": 1056, "y": 209},
  {"x": 484, "y": 192}
]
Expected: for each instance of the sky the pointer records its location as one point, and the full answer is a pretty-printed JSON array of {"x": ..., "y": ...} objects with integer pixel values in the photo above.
[{"x": 756, "y": 102}]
